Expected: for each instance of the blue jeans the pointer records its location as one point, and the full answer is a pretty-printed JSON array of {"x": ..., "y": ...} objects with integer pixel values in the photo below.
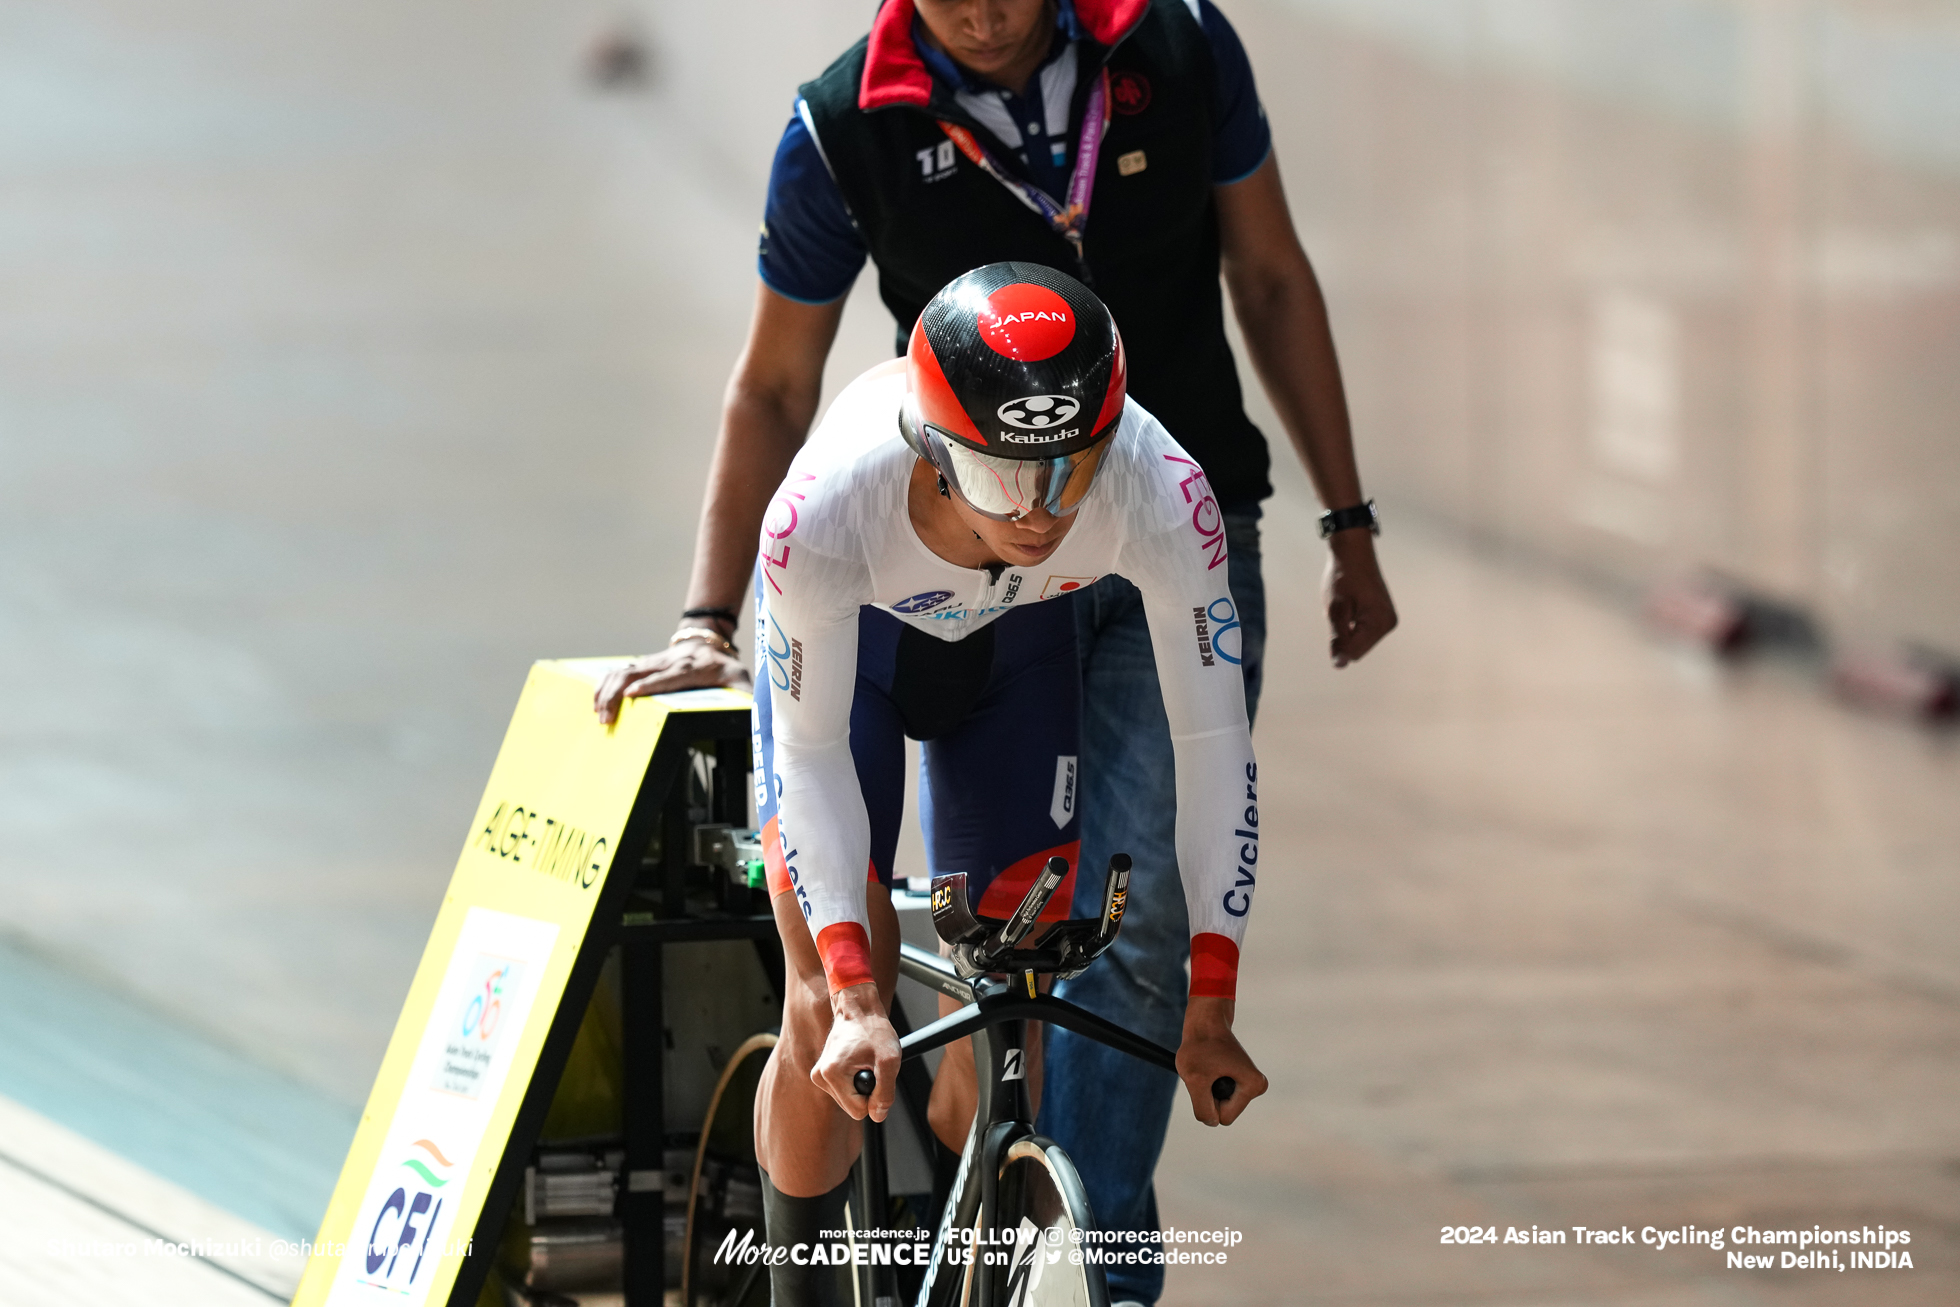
[{"x": 1107, "y": 1109}]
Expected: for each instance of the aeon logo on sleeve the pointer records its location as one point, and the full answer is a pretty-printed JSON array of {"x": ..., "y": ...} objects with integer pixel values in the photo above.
[
  {"x": 923, "y": 602},
  {"x": 778, "y": 525},
  {"x": 1206, "y": 518}
]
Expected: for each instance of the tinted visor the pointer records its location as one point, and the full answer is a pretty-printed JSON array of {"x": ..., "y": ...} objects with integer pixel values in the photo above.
[{"x": 1009, "y": 488}]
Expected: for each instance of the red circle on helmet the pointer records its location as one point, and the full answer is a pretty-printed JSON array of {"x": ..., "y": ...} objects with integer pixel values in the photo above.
[{"x": 1027, "y": 322}]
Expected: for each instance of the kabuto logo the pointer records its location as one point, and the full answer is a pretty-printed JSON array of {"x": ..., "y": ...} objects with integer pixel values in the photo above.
[
  {"x": 1038, "y": 410},
  {"x": 923, "y": 602}
]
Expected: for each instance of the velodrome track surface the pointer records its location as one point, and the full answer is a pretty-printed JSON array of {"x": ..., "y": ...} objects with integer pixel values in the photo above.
[{"x": 355, "y": 355}]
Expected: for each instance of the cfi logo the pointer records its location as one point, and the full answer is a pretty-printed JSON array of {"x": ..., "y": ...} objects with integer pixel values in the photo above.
[
  {"x": 398, "y": 1243},
  {"x": 1038, "y": 410},
  {"x": 923, "y": 602}
]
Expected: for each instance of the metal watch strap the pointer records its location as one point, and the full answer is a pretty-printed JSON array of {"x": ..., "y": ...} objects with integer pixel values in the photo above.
[{"x": 1346, "y": 519}]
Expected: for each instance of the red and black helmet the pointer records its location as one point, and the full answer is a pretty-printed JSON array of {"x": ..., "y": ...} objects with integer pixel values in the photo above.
[{"x": 1014, "y": 363}]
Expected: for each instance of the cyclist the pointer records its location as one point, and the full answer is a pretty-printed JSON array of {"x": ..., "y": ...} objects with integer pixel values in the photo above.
[{"x": 899, "y": 591}]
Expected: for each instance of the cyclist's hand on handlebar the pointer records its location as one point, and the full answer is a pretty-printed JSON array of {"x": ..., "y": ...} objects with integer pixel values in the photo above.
[
  {"x": 1211, "y": 1053},
  {"x": 689, "y": 665},
  {"x": 861, "y": 1036}
]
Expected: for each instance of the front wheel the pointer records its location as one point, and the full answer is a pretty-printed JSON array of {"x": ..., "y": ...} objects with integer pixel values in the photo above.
[{"x": 1041, "y": 1216}]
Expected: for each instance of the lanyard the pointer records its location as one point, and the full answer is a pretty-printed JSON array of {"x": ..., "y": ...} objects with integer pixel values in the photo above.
[{"x": 1069, "y": 221}]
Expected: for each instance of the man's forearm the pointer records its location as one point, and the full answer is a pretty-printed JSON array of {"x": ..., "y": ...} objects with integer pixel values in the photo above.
[
  {"x": 759, "y": 436},
  {"x": 1284, "y": 319},
  {"x": 765, "y": 415}
]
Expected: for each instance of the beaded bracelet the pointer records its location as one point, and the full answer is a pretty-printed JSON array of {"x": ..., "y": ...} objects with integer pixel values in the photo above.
[{"x": 703, "y": 635}]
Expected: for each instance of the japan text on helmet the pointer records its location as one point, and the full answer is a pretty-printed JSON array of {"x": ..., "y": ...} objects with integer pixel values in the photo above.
[{"x": 1015, "y": 378}]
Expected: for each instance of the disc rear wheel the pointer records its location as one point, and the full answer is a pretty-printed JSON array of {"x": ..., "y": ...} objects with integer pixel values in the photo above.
[{"x": 1041, "y": 1207}]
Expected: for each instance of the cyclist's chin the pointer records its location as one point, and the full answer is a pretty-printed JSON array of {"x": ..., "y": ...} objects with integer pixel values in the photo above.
[{"x": 1027, "y": 555}]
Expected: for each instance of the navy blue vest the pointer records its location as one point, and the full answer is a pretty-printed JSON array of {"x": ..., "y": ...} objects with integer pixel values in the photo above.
[{"x": 927, "y": 215}]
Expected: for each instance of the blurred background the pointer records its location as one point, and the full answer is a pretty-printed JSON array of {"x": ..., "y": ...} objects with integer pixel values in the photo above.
[{"x": 354, "y": 355}]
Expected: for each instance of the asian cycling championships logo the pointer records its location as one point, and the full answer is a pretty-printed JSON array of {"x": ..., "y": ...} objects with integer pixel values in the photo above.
[
  {"x": 923, "y": 602},
  {"x": 471, "y": 1047}
]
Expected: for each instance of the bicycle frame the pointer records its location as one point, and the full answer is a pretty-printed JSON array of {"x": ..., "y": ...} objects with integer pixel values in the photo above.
[{"x": 994, "y": 1014}]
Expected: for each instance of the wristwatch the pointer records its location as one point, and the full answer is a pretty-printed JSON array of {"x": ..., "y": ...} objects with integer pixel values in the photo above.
[{"x": 1344, "y": 519}]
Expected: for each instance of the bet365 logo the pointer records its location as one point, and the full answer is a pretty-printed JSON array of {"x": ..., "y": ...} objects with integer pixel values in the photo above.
[{"x": 400, "y": 1243}]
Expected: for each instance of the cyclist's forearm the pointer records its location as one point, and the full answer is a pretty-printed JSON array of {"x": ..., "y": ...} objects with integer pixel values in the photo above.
[
  {"x": 1208, "y": 1015},
  {"x": 761, "y": 432}
]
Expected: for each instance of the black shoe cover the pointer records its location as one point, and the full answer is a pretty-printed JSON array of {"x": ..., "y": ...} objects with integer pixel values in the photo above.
[{"x": 812, "y": 1222}]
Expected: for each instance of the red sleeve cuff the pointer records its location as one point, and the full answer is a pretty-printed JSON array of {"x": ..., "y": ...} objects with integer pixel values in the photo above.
[
  {"x": 846, "y": 953},
  {"x": 1214, "y": 966}
]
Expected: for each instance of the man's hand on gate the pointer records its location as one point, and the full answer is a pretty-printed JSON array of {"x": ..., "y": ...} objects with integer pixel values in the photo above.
[
  {"x": 861, "y": 1036},
  {"x": 1356, "y": 598},
  {"x": 689, "y": 665},
  {"x": 1211, "y": 1050}
]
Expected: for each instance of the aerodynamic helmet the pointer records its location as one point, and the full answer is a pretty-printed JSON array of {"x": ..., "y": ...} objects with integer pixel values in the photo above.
[{"x": 1015, "y": 378}]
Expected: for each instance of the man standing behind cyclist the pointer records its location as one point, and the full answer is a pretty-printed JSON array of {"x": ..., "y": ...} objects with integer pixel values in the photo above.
[{"x": 966, "y": 132}]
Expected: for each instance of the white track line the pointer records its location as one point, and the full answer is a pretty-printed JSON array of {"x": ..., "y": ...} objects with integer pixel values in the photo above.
[{"x": 81, "y": 1225}]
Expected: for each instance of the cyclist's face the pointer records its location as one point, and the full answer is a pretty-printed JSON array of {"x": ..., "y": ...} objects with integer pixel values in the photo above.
[{"x": 1025, "y": 541}]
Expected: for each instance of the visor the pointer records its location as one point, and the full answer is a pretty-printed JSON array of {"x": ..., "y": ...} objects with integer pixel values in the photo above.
[{"x": 1009, "y": 488}]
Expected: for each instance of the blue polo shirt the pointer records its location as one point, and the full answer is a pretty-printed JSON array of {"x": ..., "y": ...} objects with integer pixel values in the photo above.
[{"x": 811, "y": 251}]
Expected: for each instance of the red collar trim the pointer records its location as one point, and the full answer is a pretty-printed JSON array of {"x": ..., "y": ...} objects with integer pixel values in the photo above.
[{"x": 894, "y": 74}]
